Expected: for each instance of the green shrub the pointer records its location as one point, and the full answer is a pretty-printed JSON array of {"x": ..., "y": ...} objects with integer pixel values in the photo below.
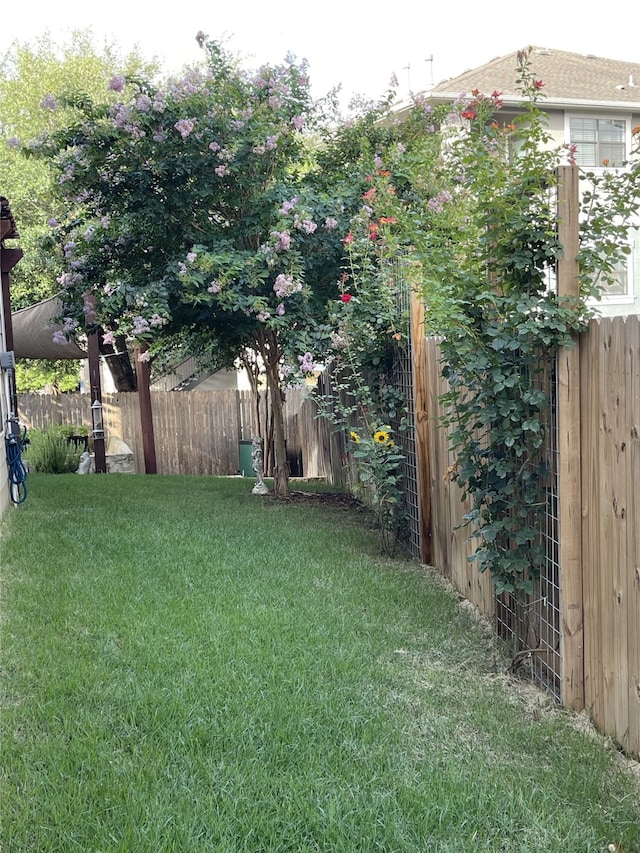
[{"x": 48, "y": 451}]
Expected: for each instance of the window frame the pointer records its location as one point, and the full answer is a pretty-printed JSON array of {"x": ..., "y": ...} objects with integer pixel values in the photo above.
[{"x": 618, "y": 117}]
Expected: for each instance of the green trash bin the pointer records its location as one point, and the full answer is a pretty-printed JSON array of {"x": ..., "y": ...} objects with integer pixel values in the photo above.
[{"x": 246, "y": 462}]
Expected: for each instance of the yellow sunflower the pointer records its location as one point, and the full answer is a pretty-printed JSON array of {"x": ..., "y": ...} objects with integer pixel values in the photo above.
[
  {"x": 355, "y": 437},
  {"x": 381, "y": 436}
]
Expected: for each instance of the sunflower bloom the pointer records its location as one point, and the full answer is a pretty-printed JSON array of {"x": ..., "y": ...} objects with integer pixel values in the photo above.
[
  {"x": 381, "y": 436},
  {"x": 354, "y": 437}
]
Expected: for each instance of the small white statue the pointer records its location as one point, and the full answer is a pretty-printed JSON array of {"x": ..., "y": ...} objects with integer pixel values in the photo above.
[
  {"x": 260, "y": 487},
  {"x": 85, "y": 463}
]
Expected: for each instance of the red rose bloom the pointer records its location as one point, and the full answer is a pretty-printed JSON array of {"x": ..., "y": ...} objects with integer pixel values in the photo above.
[{"x": 346, "y": 297}]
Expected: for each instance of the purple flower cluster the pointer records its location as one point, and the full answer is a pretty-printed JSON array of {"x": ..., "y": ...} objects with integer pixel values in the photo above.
[
  {"x": 283, "y": 242},
  {"x": 438, "y": 201},
  {"x": 69, "y": 279},
  {"x": 140, "y": 325},
  {"x": 144, "y": 104},
  {"x": 307, "y": 225},
  {"x": 306, "y": 363},
  {"x": 184, "y": 126},
  {"x": 49, "y": 102},
  {"x": 286, "y": 286},
  {"x": 117, "y": 83},
  {"x": 288, "y": 206}
]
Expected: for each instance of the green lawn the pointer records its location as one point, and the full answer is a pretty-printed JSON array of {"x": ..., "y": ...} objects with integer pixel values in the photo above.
[{"x": 188, "y": 667}]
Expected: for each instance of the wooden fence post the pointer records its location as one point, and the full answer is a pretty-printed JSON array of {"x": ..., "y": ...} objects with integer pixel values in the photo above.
[
  {"x": 570, "y": 457},
  {"x": 146, "y": 412},
  {"x": 421, "y": 413}
]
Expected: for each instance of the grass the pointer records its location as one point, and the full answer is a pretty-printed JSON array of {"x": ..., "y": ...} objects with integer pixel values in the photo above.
[{"x": 188, "y": 667}]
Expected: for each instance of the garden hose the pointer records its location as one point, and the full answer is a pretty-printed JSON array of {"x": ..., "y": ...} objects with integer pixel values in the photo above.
[{"x": 14, "y": 445}]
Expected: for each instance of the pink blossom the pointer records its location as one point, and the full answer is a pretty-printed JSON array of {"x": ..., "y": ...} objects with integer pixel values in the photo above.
[
  {"x": 108, "y": 338},
  {"x": 283, "y": 243},
  {"x": 144, "y": 356},
  {"x": 306, "y": 363},
  {"x": 117, "y": 83},
  {"x": 280, "y": 309},
  {"x": 287, "y": 206},
  {"x": 184, "y": 126},
  {"x": 221, "y": 171},
  {"x": 144, "y": 103},
  {"x": 140, "y": 325},
  {"x": 330, "y": 223},
  {"x": 214, "y": 287},
  {"x": 286, "y": 286}
]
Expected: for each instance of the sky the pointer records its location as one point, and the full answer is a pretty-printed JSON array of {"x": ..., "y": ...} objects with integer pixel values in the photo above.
[{"x": 357, "y": 45}]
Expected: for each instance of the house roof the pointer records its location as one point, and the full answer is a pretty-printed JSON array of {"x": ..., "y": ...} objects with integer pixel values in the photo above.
[{"x": 567, "y": 77}]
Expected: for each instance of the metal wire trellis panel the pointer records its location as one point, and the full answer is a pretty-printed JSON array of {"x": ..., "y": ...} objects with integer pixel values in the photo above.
[
  {"x": 531, "y": 624},
  {"x": 404, "y": 429}
]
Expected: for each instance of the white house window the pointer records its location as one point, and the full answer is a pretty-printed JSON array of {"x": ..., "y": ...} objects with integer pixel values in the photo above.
[
  {"x": 618, "y": 284},
  {"x": 599, "y": 142}
]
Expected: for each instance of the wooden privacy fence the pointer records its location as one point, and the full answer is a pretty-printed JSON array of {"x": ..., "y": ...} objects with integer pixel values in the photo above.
[
  {"x": 196, "y": 432},
  {"x": 586, "y": 651}
]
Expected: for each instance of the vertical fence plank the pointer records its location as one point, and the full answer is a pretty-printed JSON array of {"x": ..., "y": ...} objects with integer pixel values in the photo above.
[
  {"x": 593, "y": 385},
  {"x": 569, "y": 482},
  {"x": 632, "y": 396},
  {"x": 421, "y": 403}
]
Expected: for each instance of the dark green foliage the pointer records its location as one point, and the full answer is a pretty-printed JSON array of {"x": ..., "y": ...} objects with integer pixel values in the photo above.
[{"x": 49, "y": 452}]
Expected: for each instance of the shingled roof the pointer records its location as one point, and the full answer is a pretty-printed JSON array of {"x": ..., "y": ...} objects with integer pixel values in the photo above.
[{"x": 567, "y": 77}]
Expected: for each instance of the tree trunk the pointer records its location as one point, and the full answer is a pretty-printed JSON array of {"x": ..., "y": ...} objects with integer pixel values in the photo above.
[
  {"x": 281, "y": 469},
  {"x": 270, "y": 352}
]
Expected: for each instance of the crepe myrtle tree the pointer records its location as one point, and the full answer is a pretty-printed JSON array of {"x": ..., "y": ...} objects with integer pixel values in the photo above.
[{"x": 194, "y": 208}]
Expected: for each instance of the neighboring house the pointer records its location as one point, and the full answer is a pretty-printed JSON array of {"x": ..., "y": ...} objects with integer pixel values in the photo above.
[{"x": 592, "y": 103}]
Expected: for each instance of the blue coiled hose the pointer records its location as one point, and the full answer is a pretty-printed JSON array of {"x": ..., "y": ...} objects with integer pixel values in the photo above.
[{"x": 14, "y": 445}]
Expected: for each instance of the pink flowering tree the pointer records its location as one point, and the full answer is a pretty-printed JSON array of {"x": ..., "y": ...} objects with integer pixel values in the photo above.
[{"x": 196, "y": 214}]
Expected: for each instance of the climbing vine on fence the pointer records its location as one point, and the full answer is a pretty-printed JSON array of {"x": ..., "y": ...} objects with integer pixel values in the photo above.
[
  {"x": 488, "y": 272},
  {"x": 467, "y": 201}
]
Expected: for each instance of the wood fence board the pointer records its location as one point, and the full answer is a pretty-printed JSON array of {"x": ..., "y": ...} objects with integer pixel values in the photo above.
[
  {"x": 592, "y": 389},
  {"x": 619, "y": 665},
  {"x": 632, "y": 398},
  {"x": 610, "y": 415}
]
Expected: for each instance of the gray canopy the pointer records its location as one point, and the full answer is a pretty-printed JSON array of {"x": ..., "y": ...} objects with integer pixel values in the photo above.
[{"x": 33, "y": 332}]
